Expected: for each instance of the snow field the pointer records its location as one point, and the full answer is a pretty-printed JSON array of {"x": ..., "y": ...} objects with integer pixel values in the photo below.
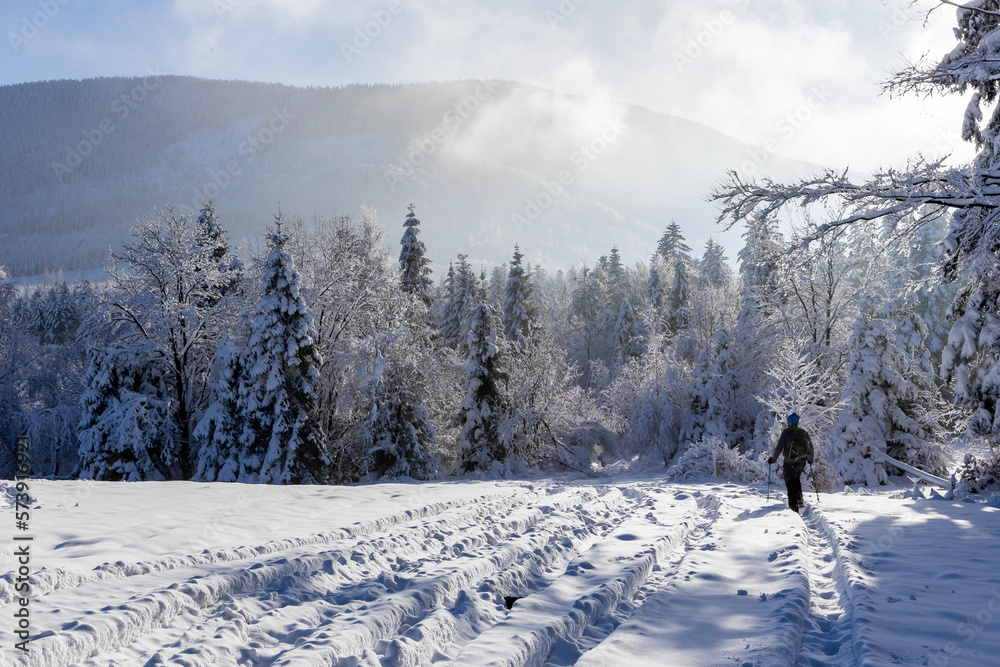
[
  {"x": 638, "y": 572},
  {"x": 592, "y": 586},
  {"x": 740, "y": 589},
  {"x": 919, "y": 579}
]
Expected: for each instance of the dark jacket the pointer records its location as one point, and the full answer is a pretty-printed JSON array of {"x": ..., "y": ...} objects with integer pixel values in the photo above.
[{"x": 803, "y": 450}]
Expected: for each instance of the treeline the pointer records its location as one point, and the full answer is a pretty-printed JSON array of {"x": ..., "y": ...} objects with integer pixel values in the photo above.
[{"x": 321, "y": 357}]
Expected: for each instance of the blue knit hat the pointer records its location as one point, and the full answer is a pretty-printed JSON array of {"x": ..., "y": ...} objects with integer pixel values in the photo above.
[{"x": 793, "y": 419}]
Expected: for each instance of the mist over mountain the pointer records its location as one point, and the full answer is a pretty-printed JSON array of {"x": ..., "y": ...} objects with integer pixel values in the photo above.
[{"x": 487, "y": 164}]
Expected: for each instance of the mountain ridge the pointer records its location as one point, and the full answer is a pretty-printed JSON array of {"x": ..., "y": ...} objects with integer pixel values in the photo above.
[{"x": 487, "y": 163}]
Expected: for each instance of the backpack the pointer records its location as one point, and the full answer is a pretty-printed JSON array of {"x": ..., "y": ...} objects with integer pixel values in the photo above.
[{"x": 800, "y": 446}]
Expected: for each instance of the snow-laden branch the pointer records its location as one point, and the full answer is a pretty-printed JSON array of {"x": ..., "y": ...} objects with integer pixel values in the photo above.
[
  {"x": 888, "y": 193},
  {"x": 969, "y": 7},
  {"x": 927, "y": 477}
]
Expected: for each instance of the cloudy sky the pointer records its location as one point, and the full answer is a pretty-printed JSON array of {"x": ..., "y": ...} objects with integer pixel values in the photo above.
[{"x": 801, "y": 76}]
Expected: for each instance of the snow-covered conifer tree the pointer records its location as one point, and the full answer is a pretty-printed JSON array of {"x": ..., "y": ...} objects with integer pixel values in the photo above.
[
  {"x": 481, "y": 448},
  {"x": 223, "y": 272},
  {"x": 671, "y": 246},
  {"x": 713, "y": 269},
  {"x": 933, "y": 296},
  {"x": 761, "y": 252},
  {"x": 120, "y": 430},
  {"x": 718, "y": 406},
  {"x": 414, "y": 267},
  {"x": 617, "y": 275},
  {"x": 588, "y": 315},
  {"x": 627, "y": 345},
  {"x": 460, "y": 296},
  {"x": 678, "y": 300},
  {"x": 219, "y": 430},
  {"x": 59, "y": 319},
  {"x": 396, "y": 432},
  {"x": 888, "y": 404},
  {"x": 517, "y": 324},
  {"x": 498, "y": 287},
  {"x": 280, "y": 440},
  {"x": 654, "y": 290}
]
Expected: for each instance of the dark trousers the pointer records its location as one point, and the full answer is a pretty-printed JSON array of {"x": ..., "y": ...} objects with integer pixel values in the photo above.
[{"x": 793, "y": 483}]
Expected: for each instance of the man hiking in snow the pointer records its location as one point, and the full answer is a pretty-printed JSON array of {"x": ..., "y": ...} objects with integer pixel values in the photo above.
[{"x": 796, "y": 446}]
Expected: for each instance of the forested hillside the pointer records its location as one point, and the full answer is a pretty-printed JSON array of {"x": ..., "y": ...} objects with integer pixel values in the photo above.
[{"x": 490, "y": 163}]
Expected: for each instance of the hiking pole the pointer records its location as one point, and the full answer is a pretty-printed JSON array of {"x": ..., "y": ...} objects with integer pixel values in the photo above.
[{"x": 815, "y": 488}]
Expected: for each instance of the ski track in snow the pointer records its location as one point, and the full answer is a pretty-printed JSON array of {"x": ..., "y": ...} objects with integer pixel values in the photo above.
[
  {"x": 828, "y": 633},
  {"x": 643, "y": 573},
  {"x": 47, "y": 581}
]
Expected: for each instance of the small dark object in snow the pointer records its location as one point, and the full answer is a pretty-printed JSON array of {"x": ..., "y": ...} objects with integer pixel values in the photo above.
[
  {"x": 763, "y": 597},
  {"x": 509, "y": 600},
  {"x": 913, "y": 597},
  {"x": 741, "y": 592}
]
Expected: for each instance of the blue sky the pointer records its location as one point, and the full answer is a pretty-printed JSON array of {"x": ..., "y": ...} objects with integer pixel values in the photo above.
[{"x": 799, "y": 75}]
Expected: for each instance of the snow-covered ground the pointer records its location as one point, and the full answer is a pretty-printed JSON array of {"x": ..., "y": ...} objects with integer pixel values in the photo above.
[{"x": 631, "y": 571}]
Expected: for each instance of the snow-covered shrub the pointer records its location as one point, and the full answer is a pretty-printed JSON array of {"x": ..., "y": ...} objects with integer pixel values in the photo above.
[
  {"x": 978, "y": 476},
  {"x": 618, "y": 399},
  {"x": 713, "y": 457},
  {"x": 652, "y": 426},
  {"x": 588, "y": 445},
  {"x": 543, "y": 405}
]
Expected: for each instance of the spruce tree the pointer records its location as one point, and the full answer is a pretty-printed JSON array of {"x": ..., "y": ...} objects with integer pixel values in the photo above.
[
  {"x": 617, "y": 277},
  {"x": 627, "y": 345},
  {"x": 281, "y": 441},
  {"x": 481, "y": 410},
  {"x": 589, "y": 313},
  {"x": 218, "y": 432},
  {"x": 889, "y": 398},
  {"x": 671, "y": 246},
  {"x": 759, "y": 268},
  {"x": 724, "y": 405},
  {"x": 221, "y": 273},
  {"x": 59, "y": 318},
  {"x": 396, "y": 433},
  {"x": 414, "y": 267},
  {"x": 120, "y": 433},
  {"x": 498, "y": 286},
  {"x": 461, "y": 294},
  {"x": 654, "y": 291},
  {"x": 933, "y": 296},
  {"x": 713, "y": 269},
  {"x": 102, "y": 389},
  {"x": 678, "y": 300},
  {"x": 516, "y": 322}
]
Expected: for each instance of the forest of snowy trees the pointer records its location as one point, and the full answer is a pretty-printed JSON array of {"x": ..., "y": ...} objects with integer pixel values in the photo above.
[{"x": 321, "y": 355}]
